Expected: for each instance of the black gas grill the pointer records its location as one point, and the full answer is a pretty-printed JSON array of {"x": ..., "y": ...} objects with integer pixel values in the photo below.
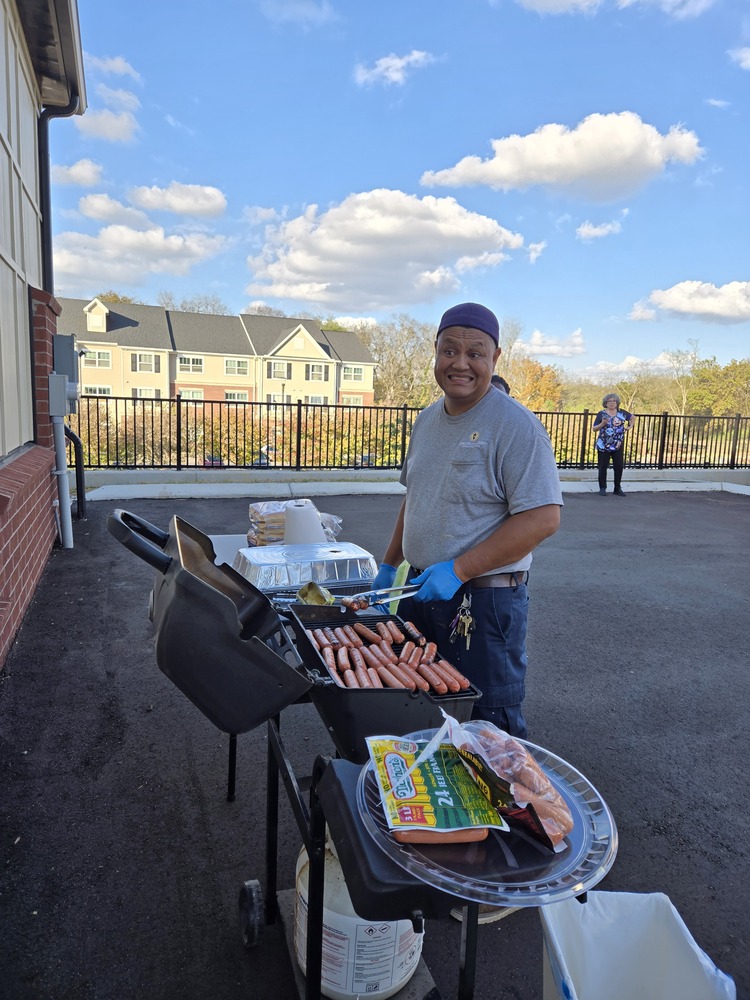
[{"x": 241, "y": 659}]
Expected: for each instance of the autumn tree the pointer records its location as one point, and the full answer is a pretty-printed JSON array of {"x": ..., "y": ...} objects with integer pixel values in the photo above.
[
  {"x": 116, "y": 298},
  {"x": 209, "y": 304},
  {"x": 403, "y": 350},
  {"x": 536, "y": 385},
  {"x": 720, "y": 391}
]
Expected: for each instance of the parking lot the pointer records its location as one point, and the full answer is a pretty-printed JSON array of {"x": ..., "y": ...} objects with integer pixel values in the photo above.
[{"x": 122, "y": 859}]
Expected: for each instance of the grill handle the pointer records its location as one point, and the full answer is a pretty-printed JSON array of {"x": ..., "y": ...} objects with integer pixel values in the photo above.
[{"x": 141, "y": 538}]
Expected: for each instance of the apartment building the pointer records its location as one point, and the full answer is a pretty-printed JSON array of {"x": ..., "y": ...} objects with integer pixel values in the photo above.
[
  {"x": 41, "y": 68},
  {"x": 148, "y": 352}
]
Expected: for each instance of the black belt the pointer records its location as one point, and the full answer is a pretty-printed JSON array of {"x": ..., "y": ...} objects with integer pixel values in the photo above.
[
  {"x": 500, "y": 580},
  {"x": 493, "y": 580}
]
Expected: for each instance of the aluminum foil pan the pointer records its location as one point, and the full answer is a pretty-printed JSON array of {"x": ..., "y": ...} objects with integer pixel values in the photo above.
[{"x": 282, "y": 567}]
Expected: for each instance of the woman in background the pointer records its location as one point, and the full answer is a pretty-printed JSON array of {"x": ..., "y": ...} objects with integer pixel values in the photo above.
[{"x": 610, "y": 424}]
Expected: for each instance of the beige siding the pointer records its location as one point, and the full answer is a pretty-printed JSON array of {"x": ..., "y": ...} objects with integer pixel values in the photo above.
[{"x": 20, "y": 240}]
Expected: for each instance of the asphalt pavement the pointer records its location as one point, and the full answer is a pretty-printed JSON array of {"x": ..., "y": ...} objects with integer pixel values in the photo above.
[{"x": 122, "y": 859}]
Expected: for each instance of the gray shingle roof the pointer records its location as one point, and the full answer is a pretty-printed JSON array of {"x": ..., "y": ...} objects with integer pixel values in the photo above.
[
  {"x": 154, "y": 328},
  {"x": 128, "y": 325},
  {"x": 205, "y": 334},
  {"x": 267, "y": 333}
]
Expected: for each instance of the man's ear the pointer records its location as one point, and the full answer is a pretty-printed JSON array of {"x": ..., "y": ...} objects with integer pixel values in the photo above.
[{"x": 496, "y": 355}]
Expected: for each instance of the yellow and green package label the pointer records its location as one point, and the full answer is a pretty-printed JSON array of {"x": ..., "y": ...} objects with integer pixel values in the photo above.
[{"x": 437, "y": 794}]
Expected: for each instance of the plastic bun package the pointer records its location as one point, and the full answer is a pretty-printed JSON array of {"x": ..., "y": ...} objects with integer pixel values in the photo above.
[{"x": 268, "y": 521}]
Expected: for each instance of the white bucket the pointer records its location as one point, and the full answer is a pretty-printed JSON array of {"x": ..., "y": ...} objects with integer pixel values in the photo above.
[{"x": 361, "y": 958}]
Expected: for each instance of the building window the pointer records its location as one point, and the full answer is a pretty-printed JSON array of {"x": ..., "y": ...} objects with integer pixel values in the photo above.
[
  {"x": 146, "y": 393},
  {"x": 191, "y": 393},
  {"x": 97, "y": 390},
  {"x": 235, "y": 366},
  {"x": 352, "y": 400},
  {"x": 316, "y": 373},
  {"x": 235, "y": 397},
  {"x": 145, "y": 363},
  {"x": 187, "y": 364},
  {"x": 353, "y": 373},
  {"x": 97, "y": 359},
  {"x": 317, "y": 400},
  {"x": 279, "y": 369},
  {"x": 276, "y": 397}
]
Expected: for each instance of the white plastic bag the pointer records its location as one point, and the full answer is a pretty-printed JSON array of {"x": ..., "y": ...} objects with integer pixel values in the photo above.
[{"x": 626, "y": 945}]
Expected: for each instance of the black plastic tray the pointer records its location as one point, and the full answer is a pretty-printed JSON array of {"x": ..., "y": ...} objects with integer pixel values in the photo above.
[{"x": 352, "y": 714}]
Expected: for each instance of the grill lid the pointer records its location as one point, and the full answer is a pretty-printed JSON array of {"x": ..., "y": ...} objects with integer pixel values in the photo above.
[{"x": 217, "y": 637}]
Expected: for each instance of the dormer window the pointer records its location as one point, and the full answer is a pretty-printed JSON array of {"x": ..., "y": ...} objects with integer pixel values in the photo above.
[{"x": 96, "y": 316}]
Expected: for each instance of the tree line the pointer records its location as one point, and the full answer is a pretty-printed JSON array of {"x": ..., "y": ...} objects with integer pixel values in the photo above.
[{"x": 403, "y": 348}]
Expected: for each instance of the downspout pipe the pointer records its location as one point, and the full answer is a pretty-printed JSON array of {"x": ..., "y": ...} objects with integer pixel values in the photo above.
[
  {"x": 45, "y": 187},
  {"x": 48, "y": 285}
]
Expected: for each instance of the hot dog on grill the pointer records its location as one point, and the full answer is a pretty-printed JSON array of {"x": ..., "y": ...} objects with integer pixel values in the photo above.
[
  {"x": 398, "y": 635},
  {"x": 365, "y": 632}
]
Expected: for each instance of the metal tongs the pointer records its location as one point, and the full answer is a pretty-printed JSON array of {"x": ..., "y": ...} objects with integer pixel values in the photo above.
[{"x": 384, "y": 596}]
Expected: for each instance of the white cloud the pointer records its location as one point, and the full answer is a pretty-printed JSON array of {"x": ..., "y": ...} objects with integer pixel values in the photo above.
[
  {"x": 124, "y": 99},
  {"x": 715, "y": 102},
  {"x": 106, "y": 209},
  {"x": 629, "y": 364},
  {"x": 481, "y": 260},
  {"x": 112, "y": 126},
  {"x": 588, "y": 231},
  {"x": 175, "y": 124},
  {"x": 256, "y": 215},
  {"x": 741, "y": 57},
  {"x": 561, "y": 6},
  {"x": 355, "y": 322},
  {"x": 303, "y": 13},
  {"x": 85, "y": 173},
  {"x": 642, "y": 313},
  {"x": 120, "y": 256},
  {"x": 538, "y": 343},
  {"x": 680, "y": 10},
  {"x": 728, "y": 303},
  {"x": 115, "y": 66},
  {"x": 376, "y": 248},
  {"x": 535, "y": 251},
  {"x": 605, "y": 157},
  {"x": 392, "y": 68},
  {"x": 184, "y": 199}
]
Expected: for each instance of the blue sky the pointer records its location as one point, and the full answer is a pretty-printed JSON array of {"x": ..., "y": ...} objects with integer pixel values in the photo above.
[{"x": 580, "y": 166}]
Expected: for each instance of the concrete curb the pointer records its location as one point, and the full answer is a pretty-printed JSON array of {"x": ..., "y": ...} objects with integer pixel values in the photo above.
[{"x": 282, "y": 490}]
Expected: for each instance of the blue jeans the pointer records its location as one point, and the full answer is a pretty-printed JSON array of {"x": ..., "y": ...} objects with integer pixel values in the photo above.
[{"x": 496, "y": 659}]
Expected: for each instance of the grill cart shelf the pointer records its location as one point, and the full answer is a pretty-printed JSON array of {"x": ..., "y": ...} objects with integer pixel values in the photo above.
[{"x": 241, "y": 657}]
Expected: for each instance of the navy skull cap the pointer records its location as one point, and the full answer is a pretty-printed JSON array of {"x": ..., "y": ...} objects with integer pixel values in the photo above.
[{"x": 471, "y": 315}]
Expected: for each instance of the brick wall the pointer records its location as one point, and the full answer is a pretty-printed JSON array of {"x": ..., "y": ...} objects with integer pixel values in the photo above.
[{"x": 28, "y": 489}]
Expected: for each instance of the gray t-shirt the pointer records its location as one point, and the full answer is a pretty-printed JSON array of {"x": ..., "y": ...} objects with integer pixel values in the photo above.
[{"x": 466, "y": 474}]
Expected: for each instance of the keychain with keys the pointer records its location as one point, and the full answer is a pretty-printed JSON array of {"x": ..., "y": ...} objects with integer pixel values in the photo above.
[{"x": 463, "y": 624}]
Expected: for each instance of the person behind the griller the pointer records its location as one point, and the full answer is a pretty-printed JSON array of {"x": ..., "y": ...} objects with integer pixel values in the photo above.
[
  {"x": 610, "y": 426},
  {"x": 482, "y": 491}
]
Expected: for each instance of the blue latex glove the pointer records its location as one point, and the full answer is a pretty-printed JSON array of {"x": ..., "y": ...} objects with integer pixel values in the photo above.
[
  {"x": 385, "y": 578},
  {"x": 438, "y": 582}
]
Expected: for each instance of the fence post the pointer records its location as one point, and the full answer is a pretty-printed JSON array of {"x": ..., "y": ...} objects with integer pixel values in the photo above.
[
  {"x": 404, "y": 417},
  {"x": 179, "y": 432},
  {"x": 584, "y": 436},
  {"x": 662, "y": 440},
  {"x": 735, "y": 441},
  {"x": 298, "y": 437}
]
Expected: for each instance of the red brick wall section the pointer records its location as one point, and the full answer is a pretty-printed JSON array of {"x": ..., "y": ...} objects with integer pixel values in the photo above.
[{"x": 28, "y": 490}]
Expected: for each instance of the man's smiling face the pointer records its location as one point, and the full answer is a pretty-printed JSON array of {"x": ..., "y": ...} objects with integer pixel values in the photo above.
[{"x": 464, "y": 362}]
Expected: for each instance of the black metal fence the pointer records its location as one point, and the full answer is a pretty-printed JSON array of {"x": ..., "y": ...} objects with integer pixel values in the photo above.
[{"x": 188, "y": 434}]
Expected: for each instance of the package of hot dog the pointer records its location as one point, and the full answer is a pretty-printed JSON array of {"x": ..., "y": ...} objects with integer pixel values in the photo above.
[
  {"x": 513, "y": 781},
  {"x": 428, "y": 795}
]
